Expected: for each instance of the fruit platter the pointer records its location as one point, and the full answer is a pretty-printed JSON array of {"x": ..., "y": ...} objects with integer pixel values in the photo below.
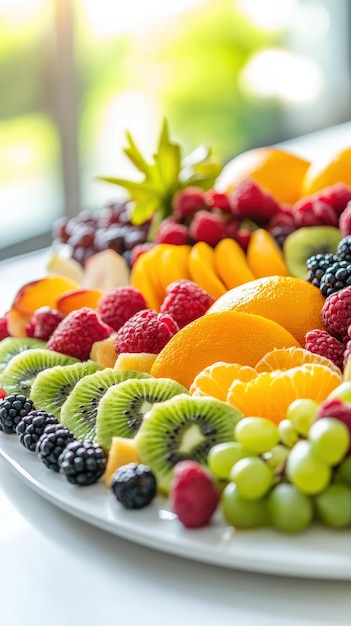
[{"x": 180, "y": 374}]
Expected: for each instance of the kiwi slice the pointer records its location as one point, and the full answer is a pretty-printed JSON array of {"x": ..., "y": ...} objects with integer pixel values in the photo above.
[
  {"x": 78, "y": 412},
  {"x": 122, "y": 409},
  {"x": 20, "y": 373},
  {"x": 51, "y": 387},
  {"x": 305, "y": 242},
  {"x": 184, "y": 427},
  {"x": 10, "y": 346}
]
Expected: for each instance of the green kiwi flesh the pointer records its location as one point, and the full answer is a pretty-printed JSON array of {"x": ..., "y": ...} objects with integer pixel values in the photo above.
[
  {"x": 52, "y": 387},
  {"x": 305, "y": 242},
  {"x": 122, "y": 409},
  {"x": 10, "y": 346},
  {"x": 184, "y": 427},
  {"x": 78, "y": 412},
  {"x": 23, "y": 368}
]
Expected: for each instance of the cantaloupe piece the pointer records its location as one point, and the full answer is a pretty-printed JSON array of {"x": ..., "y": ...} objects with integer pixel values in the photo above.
[
  {"x": 122, "y": 451},
  {"x": 103, "y": 352}
]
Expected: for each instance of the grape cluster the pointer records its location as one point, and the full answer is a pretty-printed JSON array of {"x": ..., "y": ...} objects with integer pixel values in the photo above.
[
  {"x": 88, "y": 233},
  {"x": 286, "y": 475}
]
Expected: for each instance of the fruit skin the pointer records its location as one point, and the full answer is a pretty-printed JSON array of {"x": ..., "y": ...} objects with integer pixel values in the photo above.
[
  {"x": 224, "y": 336},
  {"x": 327, "y": 170},
  {"x": 194, "y": 496},
  {"x": 335, "y": 407},
  {"x": 146, "y": 331},
  {"x": 264, "y": 256},
  {"x": 231, "y": 264},
  {"x": 118, "y": 305},
  {"x": 134, "y": 485},
  {"x": 185, "y": 301},
  {"x": 77, "y": 332},
  {"x": 77, "y": 298}
]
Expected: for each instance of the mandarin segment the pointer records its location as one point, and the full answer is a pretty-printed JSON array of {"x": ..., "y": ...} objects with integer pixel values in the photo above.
[
  {"x": 216, "y": 379},
  {"x": 264, "y": 256},
  {"x": 286, "y": 358},
  {"x": 231, "y": 263},
  {"x": 225, "y": 336},
  {"x": 203, "y": 271}
]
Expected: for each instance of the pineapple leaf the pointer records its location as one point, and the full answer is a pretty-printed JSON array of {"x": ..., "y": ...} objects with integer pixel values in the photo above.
[{"x": 134, "y": 154}]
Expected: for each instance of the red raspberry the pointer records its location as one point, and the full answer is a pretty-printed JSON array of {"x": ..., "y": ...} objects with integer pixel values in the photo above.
[
  {"x": 347, "y": 353},
  {"x": 2, "y": 393},
  {"x": 314, "y": 212},
  {"x": 118, "y": 305},
  {"x": 186, "y": 301},
  {"x": 207, "y": 227},
  {"x": 338, "y": 409},
  {"x": 194, "y": 496},
  {"x": 4, "y": 331},
  {"x": 170, "y": 231},
  {"x": 336, "y": 313},
  {"x": 77, "y": 332},
  {"x": 216, "y": 200},
  {"x": 188, "y": 201},
  {"x": 345, "y": 221},
  {"x": 146, "y": 331},
  {"x": 231, "y": 226},
  {"x": 283, "y": 218},
  {"x": 251, "y": 201},
  {"x": 322, "y": 343},
  {"x": 337, "y": 196},
  {"x": 43, "y": 323}
]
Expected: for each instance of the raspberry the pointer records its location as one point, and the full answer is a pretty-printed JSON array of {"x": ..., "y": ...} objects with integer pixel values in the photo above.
[
  {"x": 336, "y": 313},
  {"x": 194, "y": 496},
  {"x": 251, "y": 201},
  {"x": 188, "y": 201},
  {"x": 146, "y": 331},
  {"x": 170, "y": 231},
  {"x": 207, "y": 227},
  {"x": 43, "y": 323},
  {"x": 77, "y": 332},
  {"x": 283, "y": 218},
  {"x": 345, "y": 221},
  {"x": 4, "y": 331},
  {"x": 216, "y": 200},
  {"x": 2, "y": 394},
  {"x": 314, "y": 212},
  {"x": 185, "y": 301},
  {"x": 337, "y": 196},
  {"x": 322, "y": 343},
  {"x": 347, "y": 353},
  {"x": 231, "y": 227},
  {"x": 338, "y": 409},
  {"x": 118, "y": 305}
]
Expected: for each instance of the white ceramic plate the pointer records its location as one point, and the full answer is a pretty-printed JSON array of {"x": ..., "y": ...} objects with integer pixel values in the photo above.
[{"x": 317, "y": 553}]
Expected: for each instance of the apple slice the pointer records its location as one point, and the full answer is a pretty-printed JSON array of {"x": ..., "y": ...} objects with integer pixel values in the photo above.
[
  {"x": 65, "y": 266},
  {"x": 105, "y": 270},
  {"x": 77, "y": 298}
]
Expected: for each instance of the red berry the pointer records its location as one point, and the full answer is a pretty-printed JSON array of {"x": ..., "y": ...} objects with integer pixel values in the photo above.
[
  {"x": 4, "y": 331},
  {"x": 322, "y": 343},
  {"x": 243, "y": 236},
  {"x": 251, "y": 201},
  {"x": 338, "y": 409},
  {"x": 217, "y": 200},
  {"x": 185, "y": 301},
  {"x": 337, "y": 196},
  {"x": 336, "y": 313},
  {"x": 140, "y": 249},
  {"x": 207, "y": 227},
  {"x": 43, "y": 323},
  {"x": 345, "y": 221},
  {"x": 188, "y": 201},
  {"x": 194, "y": 496},
  {"x": 77, "y": 332},
  {"x": 314, "y": 212},
  {"x": 2, "y": 394},
  {"x": 146, "y": 331},
  {"x": 118, "y": 305},
  {"x": 283, "y": 218},
  {"x": 170, "y": 231}
]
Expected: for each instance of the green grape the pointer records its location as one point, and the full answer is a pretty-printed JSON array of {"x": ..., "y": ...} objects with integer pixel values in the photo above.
[
  {"x": 257, "y": 433},
  {"x": 277, "y": 456},
  {"x": 307, "y": 471},
  {"x": 287, "y": 433},
  {"x": 253, "y": 477},
  {"x": 242, "y": 513},
  {"x": 330, "y": 440},
  {"x": 333, "y": 506},
  {"x": 289, "y": 510},
  {"x": 223, "y": 456},
  {"x": 343, "y": 472},
  {"x": 302, "y": 413}
]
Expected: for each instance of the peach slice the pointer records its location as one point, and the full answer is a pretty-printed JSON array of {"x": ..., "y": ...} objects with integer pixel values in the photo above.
[
  {"x": 77, "y": 298},
  {"x": 17, "y": 322},
  {"x": 41, "y": 292}
]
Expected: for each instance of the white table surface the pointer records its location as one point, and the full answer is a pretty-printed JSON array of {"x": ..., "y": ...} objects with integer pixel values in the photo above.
[{"x": 56, "y": 570}]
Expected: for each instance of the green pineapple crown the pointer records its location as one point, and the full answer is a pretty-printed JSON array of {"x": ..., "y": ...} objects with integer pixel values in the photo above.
[{"x": 168, "y": 173}]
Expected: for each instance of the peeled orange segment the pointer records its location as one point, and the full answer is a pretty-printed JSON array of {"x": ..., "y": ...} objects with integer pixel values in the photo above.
[
  {"x": 174, "y": 264},
  {"x": 144, "y": 276},
  {"x": 270, "y": 393},
  {"x": 227, "y": 336},
  {"x": 202, "y": 269},
  {"x": 231, "y": 263},
  {"x": 264, "y": 256},
  {"x": 291, "y": 302},
  {"x": 286, "y": 358},
  {"x": 275, "y": 170},
  {"x": 77, "y": 298},
  {"x": 216, "y": 379},
  {"x": 327, "y": 170}
]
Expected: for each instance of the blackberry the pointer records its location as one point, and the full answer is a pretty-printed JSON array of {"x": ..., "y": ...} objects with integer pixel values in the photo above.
[
  {"x": 336, "y": 277},
  {"x": 12, "y": 409},
  {"x": 134, "y": 485},
  {"x": 343, "y": 251},
  {"x": 52, "y": 443},
  {"x": 317, "y": 265},
  {"x": 32, "y": 426},
  {"x": 83, "y": 462}
]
